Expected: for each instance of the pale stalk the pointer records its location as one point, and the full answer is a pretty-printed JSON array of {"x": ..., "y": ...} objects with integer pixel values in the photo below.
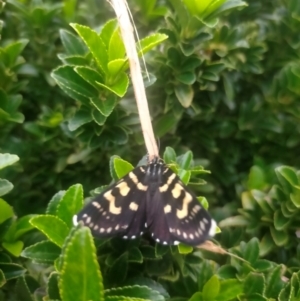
[{"x": 120, "y": 7}]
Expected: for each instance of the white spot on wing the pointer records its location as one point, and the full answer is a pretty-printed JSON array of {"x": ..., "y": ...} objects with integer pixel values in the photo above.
[
  {"x": 176, "y": 242},
  {"x": 167, "y": 209},
  {"x": 213, "y": 227},
  {"x": 96, "y": 204},
  {"x": 75, "y": 220},
  {"x": 133, "y": 206},
  {"x": 202, "y": 225}
]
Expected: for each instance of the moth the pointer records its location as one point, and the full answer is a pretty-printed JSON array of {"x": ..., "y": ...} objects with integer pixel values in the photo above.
[{"x": 150, "y": 198}]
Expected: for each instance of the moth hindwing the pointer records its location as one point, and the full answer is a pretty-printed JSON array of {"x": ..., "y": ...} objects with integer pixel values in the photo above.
[{"x": 150, "y": 198}]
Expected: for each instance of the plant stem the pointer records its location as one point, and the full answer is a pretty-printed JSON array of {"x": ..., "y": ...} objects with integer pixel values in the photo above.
[{"x": 120, "y": 7}]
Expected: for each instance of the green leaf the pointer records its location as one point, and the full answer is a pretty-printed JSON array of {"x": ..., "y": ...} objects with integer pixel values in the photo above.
[
  {"x": 44, "y": 251},
  {"x": 72, "y": 44},
  {"x": 95, "y": 44},
  {"x": 12, "y": 270},
  {"x": 187, "y": 78},
  {"x": 90, "y": 75},
  {"x": 256, "y": 178},
  {"x": 24, "y": 288},
  {"x": 98, "y": 117},
  {"x": 250, "y": 250},
  {"x": 7, "y": 159},
  {"x": 122, "y": 167},
  {"x": 119, "y": 269},
  {"x": 266, "y": 244},
  {"x": 2, "y": 278},
  {"x": 70, "y": 204},
  {"x": 148, "y": 43},
  {"x": 14, "y": 248},
  {"x": 289, "y": 174},
  {"x": 274, "y": 283},
  {"x": 198, "y": 296},
  {"x": 280, "y": 221},
  {"x": 185, "y": 160},
  {"x": 227, "y": 6},
  {"x": 280, "y": 238},
  {"x": 105, "y": 106},
  {"x": 52, "y": 205},
  {"x": 13, "y": 50},
  {"x": 6, "y": 211},
  {"x": 81, "y": 273},
  {"x": 117, "y": 66},
  {"x": 135, "y": 291},
  {"x": 169, "y": 155},
  {"x": 53, "y": 227},
  {"x": 108, "y": 30},
  {"x": 211, "y": 288},
  {"x": 22, "y": 226},
  {"x": 184, "y": 94},
  {"x": 254, "y": 283},
  {"x": 116, "y": 48},
  {"x": 164, "y": 124},
  {"x": 229, "y": 290},
  {"x": 185, "y": 249},
  {"x": 119, "y": 86},
  {"x": 52, "y": 286},
  {"x": 5, "y": 187},
  {"x": 184, "y": 176},
  {"x": 81, "y": 117},
  {"x": 135, "y": 255},
  {"x": 67, "y": 77}
]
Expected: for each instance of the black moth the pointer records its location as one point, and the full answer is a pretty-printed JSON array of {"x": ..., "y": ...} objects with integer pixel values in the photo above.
[{"x": 149, "y": 198}]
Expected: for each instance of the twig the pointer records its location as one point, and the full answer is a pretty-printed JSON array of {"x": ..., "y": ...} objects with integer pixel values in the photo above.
[{"x": 120, "y": 7}]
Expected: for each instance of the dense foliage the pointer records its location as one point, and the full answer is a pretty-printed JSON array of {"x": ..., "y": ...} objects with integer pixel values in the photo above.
[{"x": 223, "y": 90}]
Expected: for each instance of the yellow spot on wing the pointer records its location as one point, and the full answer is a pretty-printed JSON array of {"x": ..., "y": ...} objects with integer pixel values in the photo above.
[
  {"x": 176, "y": 191},
  {"x": 135, "y": 180},
  {"x": 185, "y": 203},
  {"x": 112, "y": 206},
  {"x": 123, "y": 188},
  {"x": 166, "y": 186}
]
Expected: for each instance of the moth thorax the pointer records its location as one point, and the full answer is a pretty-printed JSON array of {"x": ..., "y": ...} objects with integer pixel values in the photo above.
[{"x": 154, "y": 172}]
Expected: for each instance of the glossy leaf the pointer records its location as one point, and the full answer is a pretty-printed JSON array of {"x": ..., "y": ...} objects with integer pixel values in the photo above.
[
  {"x": 44, "y": 251},
  {"x": 53, "y": 227},
  {"x": 8, "y": 159},
  {"x": 81, "y": 273},
  {"x": 70, "y": 204},
  {"x": 6, "y": 211},
  {"x": 95, "y": 44}
]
